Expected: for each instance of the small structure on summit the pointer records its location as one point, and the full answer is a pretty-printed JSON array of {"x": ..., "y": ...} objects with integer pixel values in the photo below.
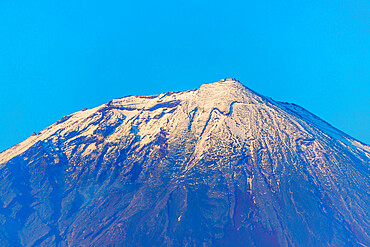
[{"x": 229, "y": 79}]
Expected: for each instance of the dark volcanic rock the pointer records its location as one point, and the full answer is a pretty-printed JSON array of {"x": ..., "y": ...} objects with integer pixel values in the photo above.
[{"x": 217, "y": 166}]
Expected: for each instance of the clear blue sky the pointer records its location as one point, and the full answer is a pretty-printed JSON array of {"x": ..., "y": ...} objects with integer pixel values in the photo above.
[{"x": 58, "y": 57}]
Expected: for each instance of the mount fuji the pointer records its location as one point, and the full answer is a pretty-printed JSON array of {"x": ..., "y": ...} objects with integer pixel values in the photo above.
[{"x": 216, "y": 166}]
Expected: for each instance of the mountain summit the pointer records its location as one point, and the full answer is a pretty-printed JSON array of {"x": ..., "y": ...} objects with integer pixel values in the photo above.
[{"x": 217, "y": 166}]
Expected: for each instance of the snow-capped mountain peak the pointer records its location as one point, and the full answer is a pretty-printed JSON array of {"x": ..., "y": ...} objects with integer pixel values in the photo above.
[{"x": 218, "y": 165}]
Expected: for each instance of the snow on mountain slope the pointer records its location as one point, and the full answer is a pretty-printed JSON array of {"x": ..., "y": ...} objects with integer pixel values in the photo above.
[
  {"x": 215, "y": 98},
  {"x": 218, "y": 165}
]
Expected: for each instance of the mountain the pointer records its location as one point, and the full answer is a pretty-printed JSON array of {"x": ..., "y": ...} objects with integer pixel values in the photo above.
[{"x": 217, "y": 166}]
